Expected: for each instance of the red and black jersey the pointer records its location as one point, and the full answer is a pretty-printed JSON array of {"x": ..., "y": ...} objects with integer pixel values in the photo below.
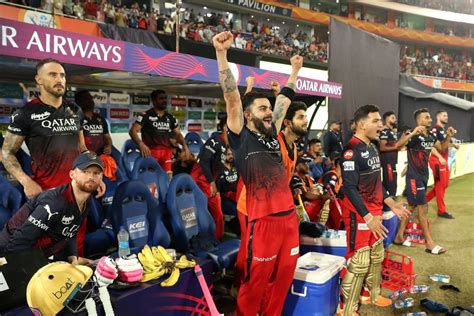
[
  {"x": 440, "y": 134},
  {"x": 389, "y": 157},
  {"x": 94, "y": 129},
  {"x": 52, "y": 137},
  {"x": 227, "y": 181},
  {"x": 212, "y": 157},
  {"x": 362, "y": 183},
  {"x": 259, "y": 162},
  {"x": 49, "y": 221},
  {"x": 419, "y": 149},
  {"x": 156, "y": 130}
]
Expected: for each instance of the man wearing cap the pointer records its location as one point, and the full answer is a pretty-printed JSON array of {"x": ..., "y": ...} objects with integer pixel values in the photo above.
[
  {"x": 332, "y": 140},
  {"x": 50, "y": 221}
]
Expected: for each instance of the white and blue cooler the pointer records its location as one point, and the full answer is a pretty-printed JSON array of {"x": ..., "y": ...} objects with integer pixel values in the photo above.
[
  {"x": 336, "y": 246},
  {"x": 315, "y": 287},
  {"x": 391, "y": 222}
]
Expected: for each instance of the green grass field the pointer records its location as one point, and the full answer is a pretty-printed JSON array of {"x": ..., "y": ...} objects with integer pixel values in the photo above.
[{"x": 457, "y": 236}]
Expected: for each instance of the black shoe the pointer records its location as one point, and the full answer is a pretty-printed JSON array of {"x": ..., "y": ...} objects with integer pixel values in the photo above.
[{"x": 446, "y": 215}]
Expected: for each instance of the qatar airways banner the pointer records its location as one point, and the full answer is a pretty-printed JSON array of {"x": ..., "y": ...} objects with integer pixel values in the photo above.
[{"x": 37, "y": 42}]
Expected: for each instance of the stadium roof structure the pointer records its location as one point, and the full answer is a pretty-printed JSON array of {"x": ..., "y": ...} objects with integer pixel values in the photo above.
[
  {"x": 413, "y": 88},
  {"x": 431, "y": 13}
]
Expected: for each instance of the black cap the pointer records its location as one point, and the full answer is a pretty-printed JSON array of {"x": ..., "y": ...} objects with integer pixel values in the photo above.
[
  {"x": 334, "y": 122},
  {"x": 87, "y": 159}
]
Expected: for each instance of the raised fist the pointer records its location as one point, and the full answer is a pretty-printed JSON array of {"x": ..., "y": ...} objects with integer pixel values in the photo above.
[
  {"x": 451, "y": 131},
  {"x": 223, "y": 41},
  {"x": 296, "y": 62}
]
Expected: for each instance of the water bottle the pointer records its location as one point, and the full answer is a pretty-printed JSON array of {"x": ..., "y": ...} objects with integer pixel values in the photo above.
[
  {"x": 417, "y": 314},
  {"x": 440, "y": 278},
  {"x": 123, "y": 246},
  {"x": 419, "y": 289},
  {"x": 409, "y": 302},
  {"x": 398, "y": 294}
]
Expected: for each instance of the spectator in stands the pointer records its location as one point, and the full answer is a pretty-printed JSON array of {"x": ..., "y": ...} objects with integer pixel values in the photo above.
[
  {"x": 332, "y": 140},
  {"x": 95, "y": 128},
  {"x": 90, "y": 8},
  {"x": 152, "y": 22},
  {"x": 142, "y": 21},
  {"x": 110, "y": 14},
  {"x": 78, "y": 9},
  {"x": 121, "y": 18},
  {"x": 157, "y": 126}
]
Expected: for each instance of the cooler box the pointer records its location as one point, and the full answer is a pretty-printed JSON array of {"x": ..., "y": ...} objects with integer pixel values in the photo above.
[
  {"x": 332, "y": 246},
  {"x": 391, "y": 222},
  {"x": 315, "y": 287}
]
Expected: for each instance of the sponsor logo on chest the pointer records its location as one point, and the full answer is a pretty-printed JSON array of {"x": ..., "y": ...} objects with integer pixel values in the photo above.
[
  {"x": 94, "y": 128},
  {"x": 61, "y": 125}
]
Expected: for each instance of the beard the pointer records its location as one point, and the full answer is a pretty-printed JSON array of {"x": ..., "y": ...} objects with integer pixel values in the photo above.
[
  {"x": 89, "y": 186},
  {"x": 53, "y": 90},
  {"x": 160, "y": 107},
  {"x": 300, "y": 131},
  {"x": 260, "y": 126},
  {"x": 444, "y": 122}
]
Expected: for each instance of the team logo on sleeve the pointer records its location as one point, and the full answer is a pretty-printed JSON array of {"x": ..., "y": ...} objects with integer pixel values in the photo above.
[
  {"x": 348, "y": 154},
  {"x": 365, "y": 154}
]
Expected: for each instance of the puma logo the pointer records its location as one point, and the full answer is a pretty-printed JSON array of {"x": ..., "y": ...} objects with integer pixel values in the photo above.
[{"x": 46, "y": 207}]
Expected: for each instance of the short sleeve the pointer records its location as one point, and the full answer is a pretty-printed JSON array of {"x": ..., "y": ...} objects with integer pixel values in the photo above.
[
  {"x": 439, "y": 133},
  {"x": 234, "y": 139},
  {"x": 19, "y": 123},
  {"x": 173, "y": 122},
  {"x": 384, "y": 135},
  {"x": 141, "y": 118}
]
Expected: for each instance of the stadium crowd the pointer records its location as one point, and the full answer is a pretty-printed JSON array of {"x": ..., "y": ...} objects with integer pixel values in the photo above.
[
  {"x": 458, "y": 6},
  {"x": 254, "y": 36},
  {"x": 437, "y": 64}
]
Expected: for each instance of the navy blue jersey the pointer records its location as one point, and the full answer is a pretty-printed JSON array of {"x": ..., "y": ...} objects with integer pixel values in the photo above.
[
  {"x": 52, "y": 137},
  {"x": 362, "y": 183},
  {"x": 94, "y": 130},
  {"x": 49, "y": 221},
  {"x": 227, "y": 181},
  {"x": 156, "y": 130},
  {"x": 419, "y": 149},
  {"x": 212, "y": 157},
  {"x": 389, "y": 157}
]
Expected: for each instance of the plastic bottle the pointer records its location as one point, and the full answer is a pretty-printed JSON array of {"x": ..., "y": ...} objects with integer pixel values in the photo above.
[
  {"x": 123, "y": 245},
  {"x": 398, "y": 294},
  {"x": 408, "y": 302},
  {"x": 419, "y": 289},
  {"x": 440, "y": 278},
  {"x": 417, "y": 314}
]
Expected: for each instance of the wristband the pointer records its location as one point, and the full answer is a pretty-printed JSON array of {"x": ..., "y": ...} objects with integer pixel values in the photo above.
[{"x": 288, "y": 92}]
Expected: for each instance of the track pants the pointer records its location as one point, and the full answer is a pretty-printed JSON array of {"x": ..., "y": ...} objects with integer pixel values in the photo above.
[
  {"x": 213, "y": 203},
  {"x": 272, "y": 253},
  {"x": 390, "y": 178},
  {"x": 441, "y": 177}
]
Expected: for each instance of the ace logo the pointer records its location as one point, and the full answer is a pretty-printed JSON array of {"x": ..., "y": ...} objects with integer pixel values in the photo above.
[{"x": 64, "y": 289}]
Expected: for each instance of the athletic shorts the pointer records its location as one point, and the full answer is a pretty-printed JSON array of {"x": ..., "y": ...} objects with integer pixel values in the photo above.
[
  {"x": 416, "y": 191},
  {"x": 164, "y": 156}
]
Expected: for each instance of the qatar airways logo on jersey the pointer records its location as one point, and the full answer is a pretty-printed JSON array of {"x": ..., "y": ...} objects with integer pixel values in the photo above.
[
  {"x": 161, "y": 125},
  {"x": 94, "y": 128},
  {"x": 231, "y": 178},
  {"x": 61, "y": 125},
  {"x": 374, "y": 162},
  {"x": 427, "y": 145}
]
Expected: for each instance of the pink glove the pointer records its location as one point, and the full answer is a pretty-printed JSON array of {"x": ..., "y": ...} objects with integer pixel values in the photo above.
[{"x": 106, "y": 271}]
